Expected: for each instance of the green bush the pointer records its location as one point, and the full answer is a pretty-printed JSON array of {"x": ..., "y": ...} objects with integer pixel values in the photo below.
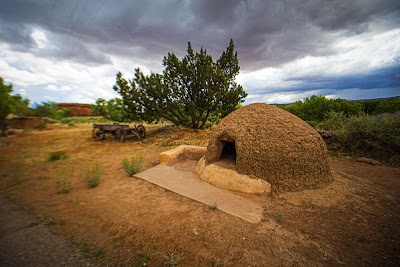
[
  {"x": 58, "y": 155},
  {"x": 334, "y": 121},
  {"x": 389, "y": 106},
  {"x": 132, "y": 165},
  {"x": 375, "y": 136},
  {"x": 92, "y": 177},
  {"x": 315, "y": 108}
]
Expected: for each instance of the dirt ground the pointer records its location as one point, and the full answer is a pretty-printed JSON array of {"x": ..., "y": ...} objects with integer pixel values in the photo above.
[
  {"x": 354, "y": 221},
  {"x": 24, "y": 241}
]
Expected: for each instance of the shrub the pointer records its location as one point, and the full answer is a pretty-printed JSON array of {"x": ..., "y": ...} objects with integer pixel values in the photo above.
[
  {"x": 374, "y": 136},
  {"x": 92, "y": 177},
  {"x": 132, "y": 165},
  {"x": 334, "y": 122},
  {"x": 315, "y": 108},
  {"x": 58, "y": 155},
  {"x": 389, "y": 106}
]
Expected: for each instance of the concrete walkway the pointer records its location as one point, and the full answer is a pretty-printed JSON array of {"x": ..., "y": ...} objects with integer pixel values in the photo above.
[{"x": 188, "y": 184}]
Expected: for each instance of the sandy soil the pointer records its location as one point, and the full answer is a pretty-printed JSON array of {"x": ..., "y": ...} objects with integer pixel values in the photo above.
[{"x": 354, "y": 221}]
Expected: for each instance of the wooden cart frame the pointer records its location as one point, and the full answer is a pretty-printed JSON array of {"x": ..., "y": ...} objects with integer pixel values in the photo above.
[{"x": 118, "y": 131}]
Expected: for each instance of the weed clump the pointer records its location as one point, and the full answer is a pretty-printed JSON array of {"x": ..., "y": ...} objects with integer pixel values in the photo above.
[
  {"x": 170, "y": 260},
  {"x": 278, "y": 217},
  {"x": 132, "y": 165},
  {"x": 214, "y": 206},
  {"x": 98, "y": 252},
  {"x": 51, "y": 221},
  {"x": 58, "y": 155},
  {"x": 92, "y": 176}
]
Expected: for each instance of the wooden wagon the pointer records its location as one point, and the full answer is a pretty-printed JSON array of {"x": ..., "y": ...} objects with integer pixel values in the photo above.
[{"x": 118, "y": 131}]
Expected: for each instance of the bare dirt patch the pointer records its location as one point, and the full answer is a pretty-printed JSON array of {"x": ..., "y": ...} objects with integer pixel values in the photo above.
[{"x": 354, "y": 221}]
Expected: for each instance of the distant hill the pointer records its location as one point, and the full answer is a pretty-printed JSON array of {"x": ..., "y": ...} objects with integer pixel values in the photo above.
[
  {"x": 358, "y": 100},
  {"x": 375, "y": 99}
]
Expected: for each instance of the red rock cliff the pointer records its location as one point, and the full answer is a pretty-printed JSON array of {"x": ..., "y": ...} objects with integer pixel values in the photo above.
[{"x": 77, "y": 109}]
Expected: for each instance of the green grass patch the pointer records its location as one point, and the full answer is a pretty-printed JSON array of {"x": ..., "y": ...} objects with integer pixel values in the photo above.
[
  {"x": 51, "y": 221},
  {"x": 278, "y": 217},
  {"x": 98, "y": 252},
  {"x": 83, "y": 120},
  {"x": 92, "y": 176},
  {"x": 144, "y": 259},
  {"x": 132, "y": 165},
  {"x": 58, "y": 155}
]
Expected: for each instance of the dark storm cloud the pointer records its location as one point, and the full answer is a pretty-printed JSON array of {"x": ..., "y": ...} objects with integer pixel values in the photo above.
[
  {"x": 16, "y": 34},
  {"x": 388, "y": 77},
  {"x": 265, "y": 33}
]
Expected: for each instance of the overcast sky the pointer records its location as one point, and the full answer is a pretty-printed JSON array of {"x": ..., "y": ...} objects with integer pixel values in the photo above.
[{"x": 70, "y": 50}]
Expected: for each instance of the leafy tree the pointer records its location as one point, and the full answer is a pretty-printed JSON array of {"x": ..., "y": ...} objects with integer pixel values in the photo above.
[
  {"x": 50, "y": 109},
  {"x": 370, "y": 106},
  {"x": 6, "y": 103},
  {"x": 315, "y": 108},
  {"x": 45, "y": 109},
  {"x": 112, "y": 109},
  {"x": 189, "y": 91},
  {"x": 100, "y": 107},
  {"x": 21, "y": 106},
  {"x": 116, "y": 110},
  {"x": 388, "y": 106}
]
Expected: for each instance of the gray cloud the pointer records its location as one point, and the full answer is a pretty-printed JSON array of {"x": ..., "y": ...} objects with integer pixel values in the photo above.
[
  {"x": 266, "y": 33},
  {"x": 277, "y": 34},
  {"x": 16, "y": 34}
]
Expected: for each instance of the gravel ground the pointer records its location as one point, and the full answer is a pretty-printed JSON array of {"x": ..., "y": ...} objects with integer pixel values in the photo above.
[{"x": 26, "y": 242}]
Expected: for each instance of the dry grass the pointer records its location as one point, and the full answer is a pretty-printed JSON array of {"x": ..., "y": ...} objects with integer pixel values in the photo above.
[{"x": 352, "y": 221}]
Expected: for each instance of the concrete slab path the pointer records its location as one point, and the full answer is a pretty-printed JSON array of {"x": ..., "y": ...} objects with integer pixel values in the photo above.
[{"x": 188, "y": 184}]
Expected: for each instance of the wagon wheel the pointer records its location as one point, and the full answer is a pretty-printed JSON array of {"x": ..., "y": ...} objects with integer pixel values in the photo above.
[
  {"x": 141, "y": 130},
  {"x": 98, "y": 134},
  {"x": 120, "y": 134}
]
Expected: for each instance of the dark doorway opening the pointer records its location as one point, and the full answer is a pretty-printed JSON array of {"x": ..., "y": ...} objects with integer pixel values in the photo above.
[{"x": 229, "y": 152}]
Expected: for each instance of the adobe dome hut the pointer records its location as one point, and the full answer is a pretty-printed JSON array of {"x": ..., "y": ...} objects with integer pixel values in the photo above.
[{"x": 271, "y": 144}]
